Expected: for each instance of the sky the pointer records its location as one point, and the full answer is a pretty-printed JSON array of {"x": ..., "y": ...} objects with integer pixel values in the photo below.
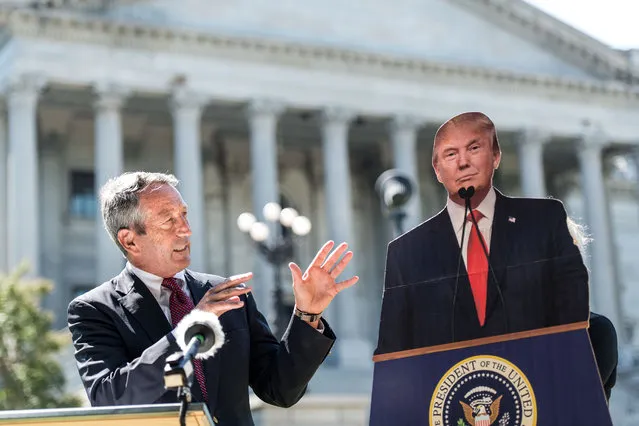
[{"x": 614, "y": 22}]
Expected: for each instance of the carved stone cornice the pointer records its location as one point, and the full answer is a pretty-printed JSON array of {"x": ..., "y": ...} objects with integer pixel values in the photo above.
[
  {"x": 73, "y": 27},
  {"x": 556, "y": 35}
]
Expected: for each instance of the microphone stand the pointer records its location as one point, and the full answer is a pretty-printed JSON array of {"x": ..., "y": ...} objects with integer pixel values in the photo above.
[
  {"x": 184, "y": 396},
  {"x": 178, "y": 374},
  {"x": 398, "y": 219},
  {"x": 466, "y": 194}
]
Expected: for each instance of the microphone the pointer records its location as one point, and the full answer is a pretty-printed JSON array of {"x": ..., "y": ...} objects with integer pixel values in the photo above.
[
  {"x": 465, "y": 194},
  {"x": 199, "y": 335}
]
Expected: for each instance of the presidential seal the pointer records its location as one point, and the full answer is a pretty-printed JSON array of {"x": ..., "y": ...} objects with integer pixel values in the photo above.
[{"x": 483, "y": 390}]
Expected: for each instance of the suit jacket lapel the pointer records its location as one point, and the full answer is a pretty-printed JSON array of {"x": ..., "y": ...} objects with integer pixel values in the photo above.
[
  {"x": 197, "y": 288},
  {"x": 500, "y": 247},
  {"x": 140, "y": 303}
]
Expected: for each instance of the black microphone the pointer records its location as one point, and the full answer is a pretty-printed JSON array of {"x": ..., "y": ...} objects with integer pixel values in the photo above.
[{"x": 465, "y": 194}]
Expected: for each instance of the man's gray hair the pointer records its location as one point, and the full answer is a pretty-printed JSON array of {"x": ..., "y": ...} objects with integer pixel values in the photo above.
[{"x": 120, "y": 201}]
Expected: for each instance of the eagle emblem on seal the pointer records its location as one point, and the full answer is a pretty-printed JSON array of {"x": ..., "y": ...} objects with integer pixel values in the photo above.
[{"x": 482, "y": 410}]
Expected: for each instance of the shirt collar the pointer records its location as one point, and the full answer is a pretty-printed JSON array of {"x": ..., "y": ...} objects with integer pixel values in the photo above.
[
  {"x": 486, "y": 207},
  {"x": 153, "y": 282}
]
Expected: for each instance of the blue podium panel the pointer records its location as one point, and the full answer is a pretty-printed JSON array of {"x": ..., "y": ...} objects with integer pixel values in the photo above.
[{"x": 550, "y": 379}]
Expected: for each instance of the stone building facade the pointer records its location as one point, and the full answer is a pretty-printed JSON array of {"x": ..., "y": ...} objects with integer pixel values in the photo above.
[{"x": 252, "y": 102}]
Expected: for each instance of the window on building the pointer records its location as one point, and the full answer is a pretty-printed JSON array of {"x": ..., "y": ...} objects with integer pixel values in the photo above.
[{"x": 83, "y": 202}]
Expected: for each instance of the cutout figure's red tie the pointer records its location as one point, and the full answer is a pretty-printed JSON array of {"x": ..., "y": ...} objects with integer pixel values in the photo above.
[
  {"x": 180, "y": 305},
  {"x": 477, "y": 265}
]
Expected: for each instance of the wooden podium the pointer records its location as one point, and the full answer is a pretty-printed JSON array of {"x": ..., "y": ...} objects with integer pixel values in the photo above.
[
  {"x": 132, "y": 415},
  {"x": 540, "y": 377}
]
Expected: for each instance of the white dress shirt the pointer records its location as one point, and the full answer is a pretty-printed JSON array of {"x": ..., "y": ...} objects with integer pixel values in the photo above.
[
  {"x": 154, "y": 284},
  {"x": 487, "y": 209}
]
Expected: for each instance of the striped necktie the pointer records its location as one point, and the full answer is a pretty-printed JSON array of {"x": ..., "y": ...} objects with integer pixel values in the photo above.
[{"x": 180, "y": 305}]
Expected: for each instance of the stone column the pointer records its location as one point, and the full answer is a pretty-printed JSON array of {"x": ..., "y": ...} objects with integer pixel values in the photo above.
[
  {"x": 51, "y": 194},
  {"x": 263, "y": 115},
  {"x": 635, "y": 157},
  {"x": 3, "y": 189},
  {"x": 602, "y": 276},
  {"x": 186, "y": 107},
  {"x": 531, "y": 162},
  {"x": 403, "y": 131},
  {"x": 22, "y": 176},
  {"x": 353, "y": 350},
  {"x": 109, "y": 163}
]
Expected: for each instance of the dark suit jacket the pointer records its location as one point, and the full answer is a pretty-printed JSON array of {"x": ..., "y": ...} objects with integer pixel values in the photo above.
[
  {"x": 122, "y": 340},
  {"x": 537, "y": 267}
]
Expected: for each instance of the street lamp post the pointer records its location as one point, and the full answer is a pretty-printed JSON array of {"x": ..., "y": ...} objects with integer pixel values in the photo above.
[{"x": 277, "y": 250}]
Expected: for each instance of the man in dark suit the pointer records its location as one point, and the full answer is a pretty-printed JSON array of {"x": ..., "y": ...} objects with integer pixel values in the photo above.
[
  {"x": 122, "y": 330},
  {"x": 440, "y": 288}
]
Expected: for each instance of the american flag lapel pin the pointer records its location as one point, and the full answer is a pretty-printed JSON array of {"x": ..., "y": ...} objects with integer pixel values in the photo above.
[{"x": 512, "y": 219}]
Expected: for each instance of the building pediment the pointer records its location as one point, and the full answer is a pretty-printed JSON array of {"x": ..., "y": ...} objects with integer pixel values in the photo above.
[
  {"x": 136, "y": 40},
  {"x": 495, "y": 34}
]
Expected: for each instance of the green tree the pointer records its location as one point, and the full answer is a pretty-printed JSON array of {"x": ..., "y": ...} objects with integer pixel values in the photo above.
[{"x": 30, "y": 376}]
